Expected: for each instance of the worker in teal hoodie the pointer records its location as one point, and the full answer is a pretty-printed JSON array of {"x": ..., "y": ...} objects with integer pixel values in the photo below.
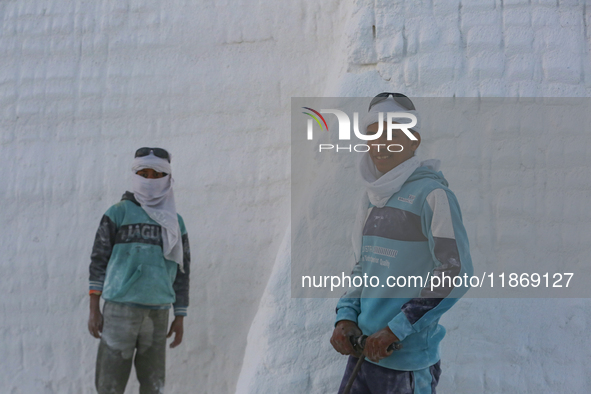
[
  {"x": 409, "y": 226},
  {"x": 140, "y": 266}
]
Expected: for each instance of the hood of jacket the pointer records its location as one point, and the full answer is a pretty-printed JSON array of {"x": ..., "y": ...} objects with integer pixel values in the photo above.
[
  {"x": 130, "y": 197},
  {"x": 427, "y": 172}
]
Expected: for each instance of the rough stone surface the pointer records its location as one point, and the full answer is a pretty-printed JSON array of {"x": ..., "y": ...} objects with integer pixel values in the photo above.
[{"x": 85, "y": 83}]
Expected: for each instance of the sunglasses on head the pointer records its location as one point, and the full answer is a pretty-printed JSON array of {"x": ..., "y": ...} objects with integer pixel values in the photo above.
[
  {"x": 400, "y": 98},
  {"x": 158, "y": 152}
]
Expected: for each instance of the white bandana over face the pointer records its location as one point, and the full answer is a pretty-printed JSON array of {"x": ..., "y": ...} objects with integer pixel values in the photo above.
[
  {"x": 157, "y": 199},
  {"x": 381, "y": 187}
]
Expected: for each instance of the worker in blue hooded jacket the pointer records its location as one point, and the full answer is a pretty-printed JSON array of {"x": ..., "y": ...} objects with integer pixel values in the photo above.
[{"x": 409, "y": 226}]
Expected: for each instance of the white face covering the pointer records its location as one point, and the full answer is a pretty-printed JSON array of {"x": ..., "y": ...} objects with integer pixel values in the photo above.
[
  {"x": 157, "y": 199},
  {"x": 381, "y": 187}
]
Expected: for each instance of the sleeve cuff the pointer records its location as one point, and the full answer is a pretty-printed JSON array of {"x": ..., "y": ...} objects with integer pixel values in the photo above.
[
  {"x": 400, "y": 326},
  {"x": 180, "y": 311},
  {"x": 94, "y": 285},
  {"x": 346, "y": 313}
]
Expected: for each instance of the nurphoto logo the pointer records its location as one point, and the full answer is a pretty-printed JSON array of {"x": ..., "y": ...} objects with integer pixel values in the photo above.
[{"x": 345, "y": 129}]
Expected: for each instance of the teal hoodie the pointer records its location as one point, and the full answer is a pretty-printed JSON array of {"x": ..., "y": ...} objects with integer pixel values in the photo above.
[
  {"x": 127, "y": 263},
  {"x": 418, "y": 233}
]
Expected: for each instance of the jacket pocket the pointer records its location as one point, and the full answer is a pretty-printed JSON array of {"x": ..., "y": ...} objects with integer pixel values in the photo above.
[{"x": 130, "y": 282}]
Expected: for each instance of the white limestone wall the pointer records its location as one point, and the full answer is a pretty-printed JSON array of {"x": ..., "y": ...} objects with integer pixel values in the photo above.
[
  {"x": 458, "y": 48},
  {"x": 85, "y": 83}
]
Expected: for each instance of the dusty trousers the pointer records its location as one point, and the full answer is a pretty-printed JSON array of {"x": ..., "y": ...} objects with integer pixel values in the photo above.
[
  {"x": 375, "y": 379},
  {"x": 131, "y": 335}
]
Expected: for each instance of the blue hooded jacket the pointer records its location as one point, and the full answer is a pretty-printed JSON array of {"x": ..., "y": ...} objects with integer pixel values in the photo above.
[{"x": 417, "y": 235}]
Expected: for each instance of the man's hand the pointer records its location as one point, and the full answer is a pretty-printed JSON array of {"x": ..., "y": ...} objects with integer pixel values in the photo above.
[
  {"x": 177, "y": 328},
  {"x": 340, "y": 337},
  {"x": 377, "y": 344},
  {"x": 95, "y": 320}
]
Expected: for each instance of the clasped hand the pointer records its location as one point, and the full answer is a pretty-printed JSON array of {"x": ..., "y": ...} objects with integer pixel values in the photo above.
[{"x": 376, "y": 345}]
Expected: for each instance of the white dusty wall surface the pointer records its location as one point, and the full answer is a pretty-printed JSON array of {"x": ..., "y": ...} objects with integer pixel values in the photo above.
[
  {"x": 85, "y": 83},
  {"x": 528, "y": 186}
]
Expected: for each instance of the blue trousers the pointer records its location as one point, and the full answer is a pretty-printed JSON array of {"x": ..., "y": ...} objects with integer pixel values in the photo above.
[{"x": 373, "y": 379}]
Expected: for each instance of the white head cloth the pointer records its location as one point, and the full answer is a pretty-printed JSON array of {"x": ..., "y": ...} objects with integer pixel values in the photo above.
[
  {"x": 157, "y": 198},
  {"x": 385, "y": 106}
]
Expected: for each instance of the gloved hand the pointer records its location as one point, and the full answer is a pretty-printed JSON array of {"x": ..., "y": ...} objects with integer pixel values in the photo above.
[
  {"x": 340, "y": 338},
  {"x": 376, "y": 345}
]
